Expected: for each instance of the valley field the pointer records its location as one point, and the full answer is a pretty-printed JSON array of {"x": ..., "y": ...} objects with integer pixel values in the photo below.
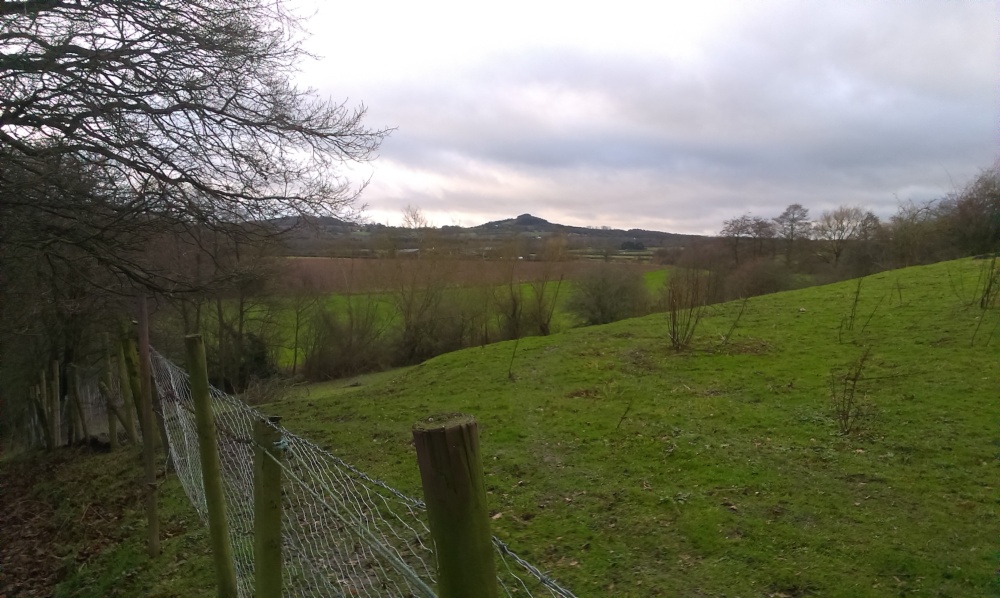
[
  {"x": 624, "y": 468},
  {"x": 628, "y": 469}
]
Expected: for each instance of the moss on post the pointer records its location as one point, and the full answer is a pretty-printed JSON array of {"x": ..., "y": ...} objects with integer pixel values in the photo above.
[
  {"x": 452, "y": 476},
  {"x": 46, "y": 402},
  {"x": 145, "y": 411},
  {"x": 267, "y": 509},
  {"x": 38, "y": 403},
  {"x": 74, "y": 393},
  {"x": 105, "y": 387},
  {"x": 218, "y": 526},
  {"x": 56, "y": 405},
  {"x": 125, "y": 388}
]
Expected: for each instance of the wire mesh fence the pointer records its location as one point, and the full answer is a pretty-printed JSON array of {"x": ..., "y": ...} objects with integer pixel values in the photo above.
[{"x": 345, "y": 533}]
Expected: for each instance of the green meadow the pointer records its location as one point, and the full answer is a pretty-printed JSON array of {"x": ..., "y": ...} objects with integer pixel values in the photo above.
[{"x": 625, "y": 468}]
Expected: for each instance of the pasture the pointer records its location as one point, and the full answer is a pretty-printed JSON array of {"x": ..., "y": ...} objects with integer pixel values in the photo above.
[
  {"x": 628, "y": 469},
  {"x": 625, "y": 468}
]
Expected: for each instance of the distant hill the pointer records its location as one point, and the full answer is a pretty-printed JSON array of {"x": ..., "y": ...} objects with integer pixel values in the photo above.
[
  {"x": 526, "y": 223},
  {"x": 325, "y": 223},
  {"x": 327, "y": 235}
]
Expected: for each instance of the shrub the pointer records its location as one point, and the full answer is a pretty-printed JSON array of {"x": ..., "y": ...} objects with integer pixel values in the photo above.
[
  {"x": 608, "y": 294},
  {"x": 685, "y": 298},
  {"x": 849, "y": 397},
  {"x": 346, "y": 343},
  {"x": 758, "y": 277}
]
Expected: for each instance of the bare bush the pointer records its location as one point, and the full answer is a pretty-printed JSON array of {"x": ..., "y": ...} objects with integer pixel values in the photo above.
[
  {"x": 758, "y": 277},
  {"x": 260, "y": 391},
  {"x": 848, "y": 397},
  {"x": 347, "y": 342},
  {"x": 685, "y": 299}
]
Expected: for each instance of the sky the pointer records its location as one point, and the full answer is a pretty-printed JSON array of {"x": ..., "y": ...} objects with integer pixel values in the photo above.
[{"x": 670, "y": 116}]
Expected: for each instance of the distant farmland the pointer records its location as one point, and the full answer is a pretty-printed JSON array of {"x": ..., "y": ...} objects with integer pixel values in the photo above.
[{"x": 354, "y": 275}]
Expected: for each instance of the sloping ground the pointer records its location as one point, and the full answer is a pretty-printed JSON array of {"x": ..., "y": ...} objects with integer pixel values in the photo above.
[
  {"x": 625, "y": 468},
  {"x": 71, "y": 524}
]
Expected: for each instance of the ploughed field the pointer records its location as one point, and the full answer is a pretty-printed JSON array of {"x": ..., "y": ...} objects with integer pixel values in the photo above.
[
  {"x": 625, "y": 468},
  {"x": 356, "y": 275}
]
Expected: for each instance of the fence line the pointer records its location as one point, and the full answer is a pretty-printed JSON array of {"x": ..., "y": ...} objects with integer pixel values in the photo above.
[{"x": 345, "y": 533}]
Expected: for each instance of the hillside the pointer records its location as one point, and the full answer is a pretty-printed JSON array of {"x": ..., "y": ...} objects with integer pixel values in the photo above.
[
  {"x": 627, "y": 469},
  {"x": 623, "y": 468},
  {"x": 322, "y": 236}
]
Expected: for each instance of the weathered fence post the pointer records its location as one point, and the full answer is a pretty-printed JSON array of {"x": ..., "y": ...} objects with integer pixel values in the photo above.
[
  {"x": 39, "y": 400},
  {"x": 455, "y": 494},
  {"x": 56, "y": 405},
  {"x": 218, "y": 527},
  {"x": 135, "y": 382},
  {"x": 145, "y": 411},
  {"x": 104, "y": 386},
  {"x": 74, "y": 392},
  {"x": 150, "y": 394},
  {"x": 130, "y": 381},
  {"x": 267, "y": 509},
  {"x": 126, "y": 395}
]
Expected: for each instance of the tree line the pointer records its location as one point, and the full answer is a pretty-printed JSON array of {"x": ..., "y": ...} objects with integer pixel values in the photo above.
[
  {"x": 140, "y": 145},
  {"x": 753, "y": 255}
]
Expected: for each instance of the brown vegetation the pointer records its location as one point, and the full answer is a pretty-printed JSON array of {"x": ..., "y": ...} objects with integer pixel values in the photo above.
[{"x": 354, "y": 275}]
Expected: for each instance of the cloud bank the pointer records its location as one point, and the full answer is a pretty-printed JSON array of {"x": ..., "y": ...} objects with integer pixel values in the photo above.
[{"x": 633, "y": 119}]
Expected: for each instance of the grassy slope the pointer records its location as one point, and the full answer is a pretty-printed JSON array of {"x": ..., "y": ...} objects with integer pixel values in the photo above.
[{"x": 626, "y": 469}]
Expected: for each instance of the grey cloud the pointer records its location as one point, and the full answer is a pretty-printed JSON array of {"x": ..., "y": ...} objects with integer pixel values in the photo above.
[{"x": 865, "y": 104}]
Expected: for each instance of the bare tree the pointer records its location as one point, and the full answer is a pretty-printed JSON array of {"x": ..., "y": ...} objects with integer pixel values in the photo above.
[
  {"x": 837, "y": 228},
  {"x": 971, "y": 217},
  {"x": 793, "y": 224},
  {"x": 913, "y": 234},
  {"x": 413, "y": 217},
  {"x": 735, "y": 230},
  {"x": 181, "y": 113},
  {"x": 123, "y": 123},
  {"x": 762, "y": 231}
]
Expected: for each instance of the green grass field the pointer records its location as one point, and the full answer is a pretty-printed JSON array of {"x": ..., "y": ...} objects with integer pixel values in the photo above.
[
  {"x": 627, "y": 469},
  {"x": 623, "y": 468}
]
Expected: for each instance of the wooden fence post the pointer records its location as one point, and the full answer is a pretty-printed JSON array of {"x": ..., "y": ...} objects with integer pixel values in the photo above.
[
  {"x": 74, "y": 392},
  {"x": 218, "y": 527},
  {"x": 131, "y": 404},
  {"x": 56, "y": 406},
  {"x": 150, "y": 394},
  {"x": 133, "y": 381},
  {"x": 125, "y": 388},
  {"x": 38, "y": 401},
  {"x": 455, "y": 493},
  {"x": 104, "y": 385},
  {"x": 267, "y": 509}
]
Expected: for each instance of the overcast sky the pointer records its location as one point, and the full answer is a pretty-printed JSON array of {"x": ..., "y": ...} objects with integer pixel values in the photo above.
[{"x": 667, "y": 116}]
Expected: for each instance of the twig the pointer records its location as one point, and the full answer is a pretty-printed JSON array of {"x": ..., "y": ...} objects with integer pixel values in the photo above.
[
  {"x": 510, "y": 367},
  {"x": 627, "y": 409},
  {"x": 732, "y": 328}
]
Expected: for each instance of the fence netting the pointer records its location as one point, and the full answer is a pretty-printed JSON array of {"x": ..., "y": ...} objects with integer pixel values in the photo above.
[{"x": 345, "y": 533}]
